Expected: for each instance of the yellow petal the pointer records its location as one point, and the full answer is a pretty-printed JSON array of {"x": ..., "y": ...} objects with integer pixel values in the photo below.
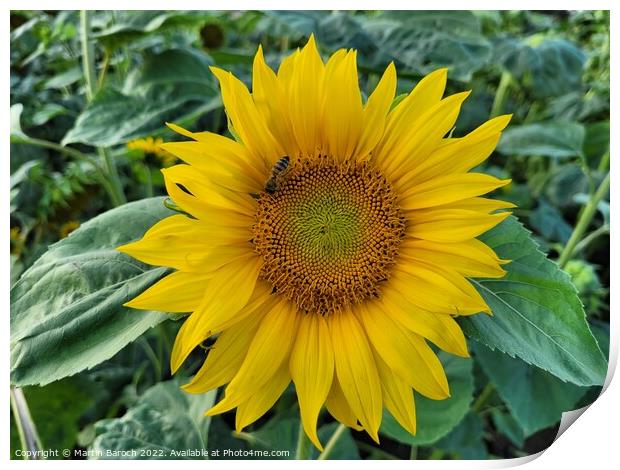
[
  {"x": 423, "y": 137},
  {"x": 439, "y": 328},
  {"x": 339, "y": 408},
  {"x": 216, "y": 146},
  {"x": 222, "y": 169},
  {"x": 397, "y": 395},
  {"x": 375, "y": 112},
  {"x": 448, "y": 188},
  {"x": 226, "y": 355},
  {"x": 481, "y": 204},
  {"x": 343, "y": 106},
  {"x": 178, "y": 292},
  {"x": 312, "y": 370},
  {"x": 408, "y": 112},
  {"x": 422, "y": 292},
  {"x": 176, "y": 241},
  {"x": 451, "y": 225},
  {"x": 407, "y": 354},
  {"x": 203, "y": 195},
  {"x": 458, "y": 155},
  {"x": 247, "y": 122},
  {"x": 470, "y": 257},
  {"x": 271, "y": 101},
  {"x": 270, "y": 347},
  {"x": 452, "y": 285},
  {"x": 227, "y": 293},
  {"x": 305, "y": 96},
  {"x": 356, "y": 370},
  {"x": 262, "y": 399}
]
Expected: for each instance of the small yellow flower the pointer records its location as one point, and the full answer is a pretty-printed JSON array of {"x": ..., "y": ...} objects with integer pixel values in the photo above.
[
  {"x": 17, "y": 240},
  {"x": 338, "y": 272},
  {"x": 153, "y": 146},
  {"x": 68, "y": 227}
]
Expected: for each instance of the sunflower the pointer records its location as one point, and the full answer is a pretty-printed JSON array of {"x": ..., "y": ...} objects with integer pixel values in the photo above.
[{"x": 337, "y": 274}]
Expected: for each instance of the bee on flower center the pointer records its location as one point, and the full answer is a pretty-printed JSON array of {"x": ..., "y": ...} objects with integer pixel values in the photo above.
[{"x": 279, "y": 169}]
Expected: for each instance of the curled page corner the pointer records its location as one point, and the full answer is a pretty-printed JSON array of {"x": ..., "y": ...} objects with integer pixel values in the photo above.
[{"x": 568, "y": 418}]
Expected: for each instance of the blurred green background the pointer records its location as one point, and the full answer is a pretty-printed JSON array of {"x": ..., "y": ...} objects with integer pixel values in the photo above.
[{"x": 550, "y": 69}]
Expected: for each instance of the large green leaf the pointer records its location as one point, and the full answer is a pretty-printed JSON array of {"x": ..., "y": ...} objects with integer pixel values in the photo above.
[
  {"x": 549, "y": 67},
  {"x": 170, "y": 67},
  {"x": 122, "y": 27},
  {"x": 426, "y": 40},
  {"x": 537, "y": 314},
  {"x": 67, "y": 310},
  {"x": 113, "y": 117},
  {"x": 508, "y": 426},
  {"x": 166, "y": 423},
  {"x": 434, "y": 418},
  {"x": 465, "y": 442},
  {"x": 535, "y": 398},
  {"x": 548, "y": 139}
]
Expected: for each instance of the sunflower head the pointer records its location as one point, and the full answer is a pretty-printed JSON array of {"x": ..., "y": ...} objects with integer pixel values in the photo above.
[{"x": 328, "y": 243}]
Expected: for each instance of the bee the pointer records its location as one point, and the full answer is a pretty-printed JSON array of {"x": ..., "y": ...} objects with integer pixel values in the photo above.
[{"x": 277, "y": 171}]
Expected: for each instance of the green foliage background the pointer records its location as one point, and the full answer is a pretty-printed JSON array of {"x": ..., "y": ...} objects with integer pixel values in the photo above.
[{"x": 538, "y": 356}]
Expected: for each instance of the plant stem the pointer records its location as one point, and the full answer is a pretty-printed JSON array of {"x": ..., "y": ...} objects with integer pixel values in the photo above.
[
  {"x": 602, "y": 230},
  {"x": 102, "y": 176},
  {"x": 329, "y": 447},
  {"x": 584, "y": 221},
  {"x": 301, "y": 453},
  {"x": 104, "y": 69},
  {"x": 500, "y": 94},
  {"x": 88, "y": 60},
  {"x": 88, "y": 67},
  {"x": 604, "y": 163},
  {"x": 115, "y": 181},
  {"x": 25, "y": 425},
  {"x": 413, "y": 452},
  {"x": 487, "y": 391}
]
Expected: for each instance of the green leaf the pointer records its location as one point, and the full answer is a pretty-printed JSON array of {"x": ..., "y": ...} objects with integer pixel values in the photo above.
[
  {"x": 424, "y": 41},
  {"x": 292, "y": 23},
  {"x": 172, "y": 66},
  {"x": 64, "y": 79},
  {"x": 67, "y": 310},
  {"x": 345, "y": 448},
  {"x": 549, "y": 67},
  {"x": 126, "y": 26},
  {"x": 535, "y": 398},
  {"x": 548, "y": 221},
  {"x": 465, "y": 442},
  {"x": 17, "y": 135},
  {"x": 56, "y": 409},
  {"x": 112, "y": 118},
  {"x": 537, "y": 314},
  {"x": 547, "y": 139},
  {"x": 281, "y": 433},
  {"x": 434, "y": 418},
  {"x": 509, "y": 427},
  {"x": 167, "y": 423},
  {"x": 46, "y": 112},
  {"x": 596, "y": 142},
  {"x": 567, "y": 181}
]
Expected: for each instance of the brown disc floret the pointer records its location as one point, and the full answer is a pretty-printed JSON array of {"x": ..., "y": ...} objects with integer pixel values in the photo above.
[{"x": 328, "y": 234}]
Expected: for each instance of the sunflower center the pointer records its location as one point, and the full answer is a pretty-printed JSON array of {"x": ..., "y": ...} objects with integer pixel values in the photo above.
[{"x": 328, "y": 233}]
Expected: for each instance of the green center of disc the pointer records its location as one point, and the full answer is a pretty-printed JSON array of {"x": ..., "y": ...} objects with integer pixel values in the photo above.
[{"x": 326, "y": 227}]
